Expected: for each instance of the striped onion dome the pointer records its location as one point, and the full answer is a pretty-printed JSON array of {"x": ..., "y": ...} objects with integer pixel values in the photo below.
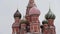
[
  {"x": 50, "y": 15},
  {"x": 17, "y": 14}
]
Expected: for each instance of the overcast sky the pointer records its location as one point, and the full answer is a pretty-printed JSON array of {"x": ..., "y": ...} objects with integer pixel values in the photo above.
[{"x": 9, "y": 7}]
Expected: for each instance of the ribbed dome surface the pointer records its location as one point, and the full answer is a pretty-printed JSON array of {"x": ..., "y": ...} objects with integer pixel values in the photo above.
[
  {"x": 17, "y": 14},
  {"x": 50, "y": 15},
  {"x": 34, "y": 11}
]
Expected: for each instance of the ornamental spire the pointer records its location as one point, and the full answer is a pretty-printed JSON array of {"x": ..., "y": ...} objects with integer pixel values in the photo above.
[
  {"x": 31, "y": 4},
  {"x": 50, "y": 14},
  {"x": 17, "y": 4},
  {"x": 49, "y": 7}
]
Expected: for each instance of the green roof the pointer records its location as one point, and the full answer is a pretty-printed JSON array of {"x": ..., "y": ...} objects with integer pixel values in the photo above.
[
  {"x": 24, "y": 21},
  {"x": 44, "y": 22},
  {"x": 50, "y": 15}
]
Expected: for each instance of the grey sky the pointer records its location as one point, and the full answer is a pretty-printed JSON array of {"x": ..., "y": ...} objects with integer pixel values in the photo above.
[{"x": 9, "y": 7}]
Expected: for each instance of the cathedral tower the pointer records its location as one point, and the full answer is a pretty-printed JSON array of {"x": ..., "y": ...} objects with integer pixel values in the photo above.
[
  {"x": 34, "y": 24},
  {"x": 50, "y": 17},
  {"x": 44, "y": 27},
  {"x": 16, "y": 24},
  {"x": 31, "y": 4},
  {"x": 30, "y": 24},
  {"x": 23, "y": 26}
]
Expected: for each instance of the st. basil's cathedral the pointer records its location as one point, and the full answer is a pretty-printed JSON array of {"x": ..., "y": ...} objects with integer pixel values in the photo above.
[{"x": 30, "y": 24}]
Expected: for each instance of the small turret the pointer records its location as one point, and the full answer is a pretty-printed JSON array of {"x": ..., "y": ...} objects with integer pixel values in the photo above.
[
  {"x": 23, "y": 25},
  {"x": 45, "y": 27},
  {"x": 16, "y": 24},
  {"x": 44, "y": 22}
]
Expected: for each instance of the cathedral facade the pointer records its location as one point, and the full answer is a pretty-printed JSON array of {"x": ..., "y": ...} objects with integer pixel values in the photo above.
[{"x": 30, "y": 24}]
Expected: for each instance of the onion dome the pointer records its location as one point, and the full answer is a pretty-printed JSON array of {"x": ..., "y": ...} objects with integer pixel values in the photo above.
[
  {"x": 17, "y": 14},
  {"x": 34, "y": 11},
  {"x": 50, "y": 15},
  {"x": 24, "y": 21},
  {"x": 44, "y": 22}
]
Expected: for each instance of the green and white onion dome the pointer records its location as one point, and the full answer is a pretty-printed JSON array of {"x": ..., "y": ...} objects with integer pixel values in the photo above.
[{"x": 50, "y": 15}]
